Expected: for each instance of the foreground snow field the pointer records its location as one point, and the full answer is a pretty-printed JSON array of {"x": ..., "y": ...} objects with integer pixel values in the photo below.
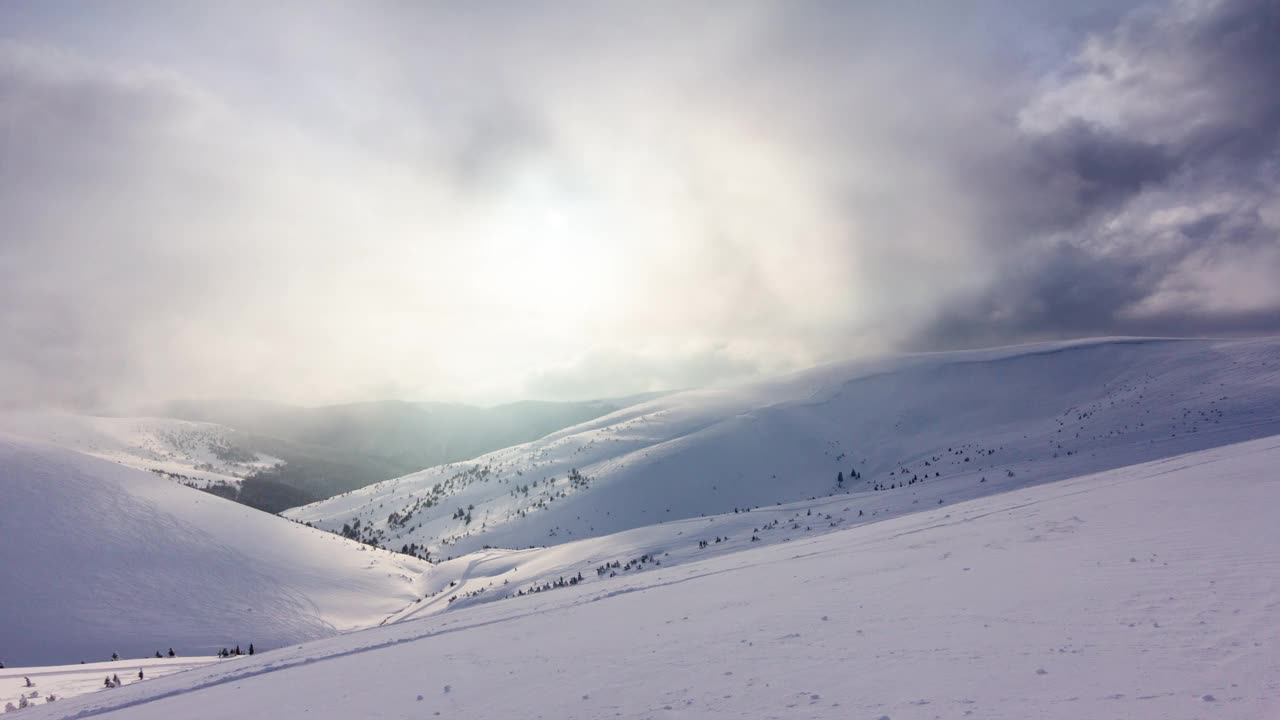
[
  {"x": 1151, "y": 591},
  {"x": 101, "y": 558},
  {"x": 64, "y": 681}
]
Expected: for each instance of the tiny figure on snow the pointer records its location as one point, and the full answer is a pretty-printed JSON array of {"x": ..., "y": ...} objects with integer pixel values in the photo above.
[{"x": 139, "y": 673}]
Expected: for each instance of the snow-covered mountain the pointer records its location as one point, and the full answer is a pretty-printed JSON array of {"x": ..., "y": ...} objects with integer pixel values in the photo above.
[
  {"x": 900, "y": 432},
  {"x": 196, "y": 453},
  {"x": 99, "y": 558},
  {"x": 1143, "y": 592}
]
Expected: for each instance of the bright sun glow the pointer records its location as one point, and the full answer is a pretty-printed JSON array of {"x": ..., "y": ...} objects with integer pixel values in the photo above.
[{"x": 546, "y": 254}]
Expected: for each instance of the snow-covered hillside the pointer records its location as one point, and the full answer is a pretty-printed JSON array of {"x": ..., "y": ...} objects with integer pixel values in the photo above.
[
  {"x": 901, "y": 432},
  {"x": 1144, "y": 592},
  {"x": 195, "y": 453},
  {"x": 101, "y": 558}
]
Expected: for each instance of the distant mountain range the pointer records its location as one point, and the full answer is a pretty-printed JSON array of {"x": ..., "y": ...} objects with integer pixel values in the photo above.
[{"x": 332, "y": 449}]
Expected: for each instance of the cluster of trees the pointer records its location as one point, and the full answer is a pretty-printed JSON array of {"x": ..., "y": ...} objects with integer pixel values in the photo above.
[
  {"x": 416, "y": 550},
  {"x": 231, "y": 454},
  {"x": 256, "y": 491},
  {"x": 853, "y": 475},
  {"x": 901, "y": 483},
  {"x": 24, "y": 700},
  {"x": 559, "y": 583},
  {"x": 361, "y": 533},
  {"x": 225, "y": 653},
  {"x": 577, "y": 480},
  {"x": 115, "y": 681},
  {"x": 611, "y": 568}
]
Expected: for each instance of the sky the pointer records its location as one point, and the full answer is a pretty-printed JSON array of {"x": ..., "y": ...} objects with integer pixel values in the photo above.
[{"x": 321, "y": 202}]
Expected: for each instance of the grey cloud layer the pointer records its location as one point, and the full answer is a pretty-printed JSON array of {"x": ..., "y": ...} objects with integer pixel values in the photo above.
[
  {"x": 318, "y": 206},
  {"x": 1162, "y": 137}
]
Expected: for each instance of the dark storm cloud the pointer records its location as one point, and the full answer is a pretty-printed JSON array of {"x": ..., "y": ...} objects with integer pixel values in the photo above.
[
  {"x": 1232, "y": 53},
  {"x": 1152, "y": 179},
  {"x": 1081, "y": 170}
]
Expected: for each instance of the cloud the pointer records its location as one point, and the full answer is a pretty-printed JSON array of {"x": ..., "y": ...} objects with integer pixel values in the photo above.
[
  {"x": 1154, "y": 168},
  {"x": 619, "y": 372},
  {"x": 71, "y": 139},
  {"x": 318, "y": 203}
]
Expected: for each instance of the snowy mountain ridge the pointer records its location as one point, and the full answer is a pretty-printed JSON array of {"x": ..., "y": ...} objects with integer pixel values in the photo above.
[{"x": 888, "y": 434}]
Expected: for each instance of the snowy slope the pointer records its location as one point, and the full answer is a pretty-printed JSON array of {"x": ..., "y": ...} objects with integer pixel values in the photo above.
[
  {"x": 1144, "y": 592},
  {"x": 101, "y": 558},
  {"x": 950, "y": 425},
  {"x": 65, "y": 681},
  {"x": 197, "y": 453}
]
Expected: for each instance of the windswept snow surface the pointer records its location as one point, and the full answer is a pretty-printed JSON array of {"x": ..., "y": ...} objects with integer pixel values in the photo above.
[
  {"x": 196, "y": 453},
  {"x": 65, "y": 681},
  {"x": 949, "y": 425},
  {"x": 1151, "y": 591},
  {"x": 100, "y": 558}
]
